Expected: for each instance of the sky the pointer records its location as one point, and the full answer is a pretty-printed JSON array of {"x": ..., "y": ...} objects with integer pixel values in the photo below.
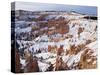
[{"x": 90, "y": 10}]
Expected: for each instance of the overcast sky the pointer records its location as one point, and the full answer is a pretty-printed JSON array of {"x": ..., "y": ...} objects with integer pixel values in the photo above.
[{"x": 91, "y": 10}]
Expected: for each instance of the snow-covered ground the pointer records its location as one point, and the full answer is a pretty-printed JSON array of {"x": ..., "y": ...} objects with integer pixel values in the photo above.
[{"x": 40, "y": 42}]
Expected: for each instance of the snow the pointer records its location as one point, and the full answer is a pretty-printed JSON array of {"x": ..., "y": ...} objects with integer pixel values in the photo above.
[
  {"x": 44, "y": 38},
  {"x": 65, "y": 43},
  {"x": 43, "y": 66},
  {"x": 20, "y": 22},
  {"x": 45, "y": 55},
  {"x": 56, "y": 36},
  {"x": 45, "y": 28},
  {"x": 65, "y": 58},
  {"x": 45, "y": 44},
  {"x": 94, "y": 47},
  {"x": 51, "y": 60},
  {"x": 35, "y": 16},
  {"x": 35, "y": 47},
  {"x": 22, "y": 61},
  {"x": 70, "y": 59},
  {"x": 50, "y": 17},
  {"x": 24, "y": 30}
]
